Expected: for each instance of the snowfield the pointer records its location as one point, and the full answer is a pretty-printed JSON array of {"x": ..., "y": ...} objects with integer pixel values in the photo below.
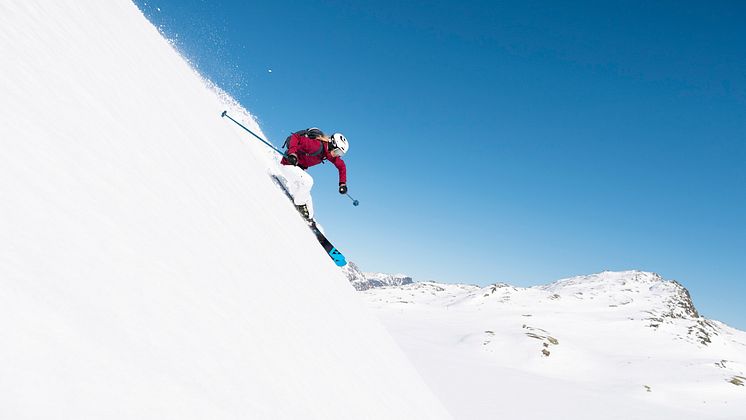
[
  {"x": 615, "y": 345},
  {"x": 143, "y": 268}
]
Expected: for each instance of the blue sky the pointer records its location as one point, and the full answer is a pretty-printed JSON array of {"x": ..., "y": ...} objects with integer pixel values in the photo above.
[{"x": 506, "y": 141}]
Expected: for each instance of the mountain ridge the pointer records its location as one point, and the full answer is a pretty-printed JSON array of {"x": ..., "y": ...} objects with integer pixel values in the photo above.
[{"x": 367, "y": 280}]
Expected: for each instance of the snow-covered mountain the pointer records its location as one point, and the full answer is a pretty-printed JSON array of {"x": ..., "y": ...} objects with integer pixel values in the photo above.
[
  {"x": 364, "y": 281},
  {"x": 614, "y": 345},
  {"x": 144, "y": 268}
]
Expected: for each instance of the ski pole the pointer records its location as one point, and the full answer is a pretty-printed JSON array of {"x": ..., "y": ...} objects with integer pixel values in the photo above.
[
  {"x": 354, "y": 202},
  {"x": 225, "y": 114}
]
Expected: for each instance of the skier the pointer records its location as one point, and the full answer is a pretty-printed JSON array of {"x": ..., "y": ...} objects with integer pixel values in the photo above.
[{"x": 308, "y": 148}]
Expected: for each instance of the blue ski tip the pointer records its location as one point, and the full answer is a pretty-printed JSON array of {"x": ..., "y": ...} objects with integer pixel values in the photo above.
[{"x": 338, "y": 258}]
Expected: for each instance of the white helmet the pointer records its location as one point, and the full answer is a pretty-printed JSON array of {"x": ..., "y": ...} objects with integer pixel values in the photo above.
[{"x": 339, "y": 141}]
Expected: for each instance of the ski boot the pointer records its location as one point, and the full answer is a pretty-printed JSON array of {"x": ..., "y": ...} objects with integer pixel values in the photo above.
[{"x": 303, "y": 210}]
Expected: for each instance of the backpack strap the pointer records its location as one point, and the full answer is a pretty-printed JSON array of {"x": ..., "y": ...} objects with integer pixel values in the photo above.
[{"x": 318, "y": 152}]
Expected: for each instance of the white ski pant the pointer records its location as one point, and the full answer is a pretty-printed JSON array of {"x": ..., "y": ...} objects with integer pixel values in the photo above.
[{"x": 299, "y": 183}]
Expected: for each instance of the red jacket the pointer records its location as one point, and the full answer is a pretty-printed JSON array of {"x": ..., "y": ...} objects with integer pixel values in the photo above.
[{"x": 311, "y": 152}]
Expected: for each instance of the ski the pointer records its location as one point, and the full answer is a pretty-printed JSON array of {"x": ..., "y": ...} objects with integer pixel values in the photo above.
[{"x": 330, "y": 249}]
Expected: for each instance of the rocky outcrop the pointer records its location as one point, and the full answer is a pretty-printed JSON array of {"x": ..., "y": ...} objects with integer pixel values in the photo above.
[{"x": 364, "y": 281}]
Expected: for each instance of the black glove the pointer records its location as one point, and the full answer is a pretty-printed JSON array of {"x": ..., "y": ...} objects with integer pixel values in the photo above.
[
  {"x": 292, "y": 159},
  {"x": 343, "y": 188}
]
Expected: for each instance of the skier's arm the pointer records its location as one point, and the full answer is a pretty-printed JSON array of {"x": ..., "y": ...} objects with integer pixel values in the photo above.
[
  {"x": 293, "y": 144},
  {"x": 341, "y": 167},
  {"x": 291, "y": 155}
]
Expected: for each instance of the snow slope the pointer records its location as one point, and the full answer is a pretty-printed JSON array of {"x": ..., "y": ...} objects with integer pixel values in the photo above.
[
  {"x": 143, "y": 261},
  {"x": 614, "y": 345}
]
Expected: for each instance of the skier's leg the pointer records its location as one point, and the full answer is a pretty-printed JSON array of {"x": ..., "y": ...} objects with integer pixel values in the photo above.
[
  {"x": 303, "y": 192},
  {"x": 299, "y": 184}
]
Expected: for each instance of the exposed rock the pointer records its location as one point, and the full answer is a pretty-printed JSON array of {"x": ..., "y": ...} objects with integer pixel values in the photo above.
[{"x": 364, "y": 281}]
